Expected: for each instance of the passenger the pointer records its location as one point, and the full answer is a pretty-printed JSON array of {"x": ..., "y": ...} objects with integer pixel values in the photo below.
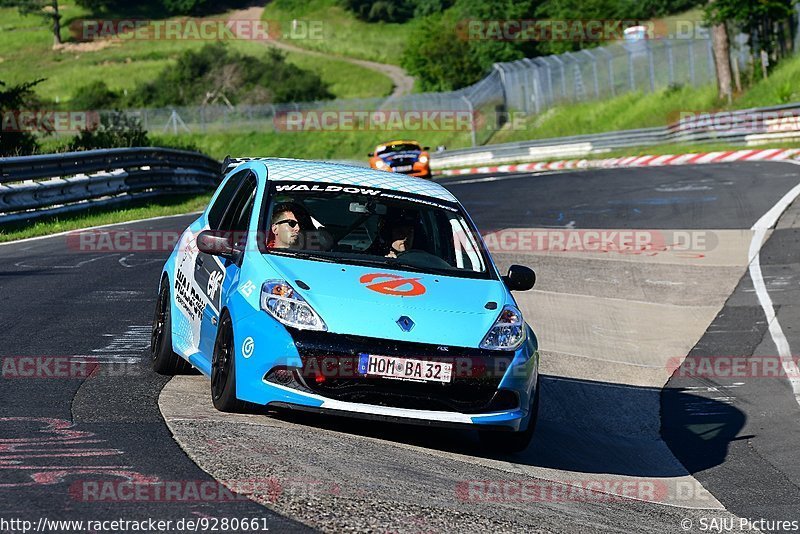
[{"x": 402, "y": 240}]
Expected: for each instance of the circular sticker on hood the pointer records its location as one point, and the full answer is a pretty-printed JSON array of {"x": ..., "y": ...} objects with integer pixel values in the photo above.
[{"x": 393, "y": 284}]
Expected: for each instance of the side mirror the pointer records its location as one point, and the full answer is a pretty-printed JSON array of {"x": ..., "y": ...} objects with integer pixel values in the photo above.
[
  {"x": 519, "y": 278},
  {"x": 216, "y": 243},
  {"x": 426, "y": 148},
  {"x": 370, "y": 154}
]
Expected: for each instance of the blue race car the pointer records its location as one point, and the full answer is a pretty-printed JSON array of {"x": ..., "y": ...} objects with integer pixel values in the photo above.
[{"x": 337, "y": 289}]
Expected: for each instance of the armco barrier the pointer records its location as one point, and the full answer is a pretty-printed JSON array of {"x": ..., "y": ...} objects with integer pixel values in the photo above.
[
  {"x": 771, "y": 154},
  {"x": 748, "y": 127},
  {"x": 35, "y": 186}
]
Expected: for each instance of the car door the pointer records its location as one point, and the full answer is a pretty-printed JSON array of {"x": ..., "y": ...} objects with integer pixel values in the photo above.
[
  {"x": 214, "y": 275},
  {"x": 189, "y": 293}
]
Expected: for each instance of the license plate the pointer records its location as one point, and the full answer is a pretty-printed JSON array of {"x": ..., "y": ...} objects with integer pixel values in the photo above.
[
  {"x": 403, "y": 168},
  {"x": 404, "y": 368}
]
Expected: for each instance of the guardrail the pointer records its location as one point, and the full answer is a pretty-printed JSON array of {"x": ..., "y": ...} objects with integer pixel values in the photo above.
[
  {"x": 37, "y": 186},
  {"x": 749, "y": 127}
]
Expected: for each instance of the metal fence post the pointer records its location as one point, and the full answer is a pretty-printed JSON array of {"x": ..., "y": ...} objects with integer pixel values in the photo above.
[
  {"x": 670, "y": 62},
  {"x": 499, "y": 68},
  {"x": 472, "y": 121},
  {"x": 712, "y": 72},
  {"x": 651, "y": 66},
  {"x": 797, "y": 31},
  {"x": 691, "y": 63},
  {"x": 594, "y": 72},
  {"x": 631, "y": 76},
  {"x": 563, "y": 74}
]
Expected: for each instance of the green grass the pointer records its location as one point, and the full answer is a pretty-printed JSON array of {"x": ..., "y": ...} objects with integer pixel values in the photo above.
[
  {"x": 342, "y": 33},
  {"x": 26, "y": 53},
  {"x": 637, "y": 110},
  {"x": 171, "y": 205},
  {"x": 781, "y": 87},
  {"x": 346, "y": 80},
  {"x": 632, "y": 110},
  {"x": 311, "y": 145}
]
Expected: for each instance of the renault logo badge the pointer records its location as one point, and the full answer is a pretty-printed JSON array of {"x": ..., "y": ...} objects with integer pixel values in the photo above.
[{"x": 405, "y": 323}]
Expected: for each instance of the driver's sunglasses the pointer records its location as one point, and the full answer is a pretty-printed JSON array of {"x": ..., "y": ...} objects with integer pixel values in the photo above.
[{"x": 291, "y": 222}]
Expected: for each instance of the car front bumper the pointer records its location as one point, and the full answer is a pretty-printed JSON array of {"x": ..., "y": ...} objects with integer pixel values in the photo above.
[{"x": 490, "y": 389}]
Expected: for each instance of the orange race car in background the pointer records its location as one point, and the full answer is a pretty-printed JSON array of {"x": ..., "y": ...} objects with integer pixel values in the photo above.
[{"x": 406, "y": 157}]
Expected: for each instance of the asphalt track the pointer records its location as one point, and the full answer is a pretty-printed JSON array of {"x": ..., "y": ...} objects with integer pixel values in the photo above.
[{"x": 608, "y": 324}]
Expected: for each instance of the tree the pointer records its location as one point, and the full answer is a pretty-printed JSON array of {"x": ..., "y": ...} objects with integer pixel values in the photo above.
[
  {"x": 722, "y": 60},
  {"x": 13, "y": 99},
  {"x": 45, "y": 8},
  {"x": 758, "y": 19}
]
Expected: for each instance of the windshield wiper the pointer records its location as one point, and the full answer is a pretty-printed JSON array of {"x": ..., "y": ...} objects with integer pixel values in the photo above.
[{"x": 301, "y": 254}]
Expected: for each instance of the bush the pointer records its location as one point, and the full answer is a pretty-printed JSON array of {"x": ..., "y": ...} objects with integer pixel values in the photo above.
[
  {"x": 116, "y": 130},
  {"x": 95, "y": 96},
  {"x": 218, "y": 70},
  {"x": 160, "y": 8},
  {"x": 381, "y": 10}
]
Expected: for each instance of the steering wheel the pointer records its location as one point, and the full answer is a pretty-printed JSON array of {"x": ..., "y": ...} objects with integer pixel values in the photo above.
[{"x": 422, "y": 258}]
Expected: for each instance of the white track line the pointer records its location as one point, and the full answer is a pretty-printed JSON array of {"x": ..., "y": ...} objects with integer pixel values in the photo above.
[
  {"x": 761, "y": 227},
  {"x": 496, "y": 178},
  {"x": 76, "y": 230}
]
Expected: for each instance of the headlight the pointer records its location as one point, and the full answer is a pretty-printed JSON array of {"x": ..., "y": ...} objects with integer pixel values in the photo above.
[
  {"x": 423, "y": 159},
  {"x": 281, "y": 301},
  {"x": 380, "y": 164},
  {"x": 507, "y": 333}
]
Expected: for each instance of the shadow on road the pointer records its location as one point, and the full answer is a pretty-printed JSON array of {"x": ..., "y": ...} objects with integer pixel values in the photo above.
[{"x": 584, "y": 427}]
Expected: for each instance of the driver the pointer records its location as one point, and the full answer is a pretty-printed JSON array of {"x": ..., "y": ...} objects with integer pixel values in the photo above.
[{"x": 284, "y": 230}]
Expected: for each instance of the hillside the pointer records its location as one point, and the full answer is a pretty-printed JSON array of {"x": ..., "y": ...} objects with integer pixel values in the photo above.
[{"x": 26, "y": 53}]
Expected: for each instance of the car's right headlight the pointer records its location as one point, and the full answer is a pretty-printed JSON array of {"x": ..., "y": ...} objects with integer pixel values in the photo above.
[
  {"x": 508, "y": 331},
  {"x": 281, "y": 301},
  {"x": 381, "y": 164}
]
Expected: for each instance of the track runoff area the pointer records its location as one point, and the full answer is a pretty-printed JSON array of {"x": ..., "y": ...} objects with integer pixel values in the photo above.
[{"x": 637, "y": 268}]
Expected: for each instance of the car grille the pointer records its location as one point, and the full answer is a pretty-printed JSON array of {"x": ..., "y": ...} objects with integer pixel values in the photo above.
[{"x": 330, "y": 363}]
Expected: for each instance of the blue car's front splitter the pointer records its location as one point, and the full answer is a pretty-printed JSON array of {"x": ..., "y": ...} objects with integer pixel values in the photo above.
[{"x": 493, "y": 421}]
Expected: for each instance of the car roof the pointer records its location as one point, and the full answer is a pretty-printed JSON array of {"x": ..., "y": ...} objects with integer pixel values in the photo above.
[{"x": 298, "y": 170}]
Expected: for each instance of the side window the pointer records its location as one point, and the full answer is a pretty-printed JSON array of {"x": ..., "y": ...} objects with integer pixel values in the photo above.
[
  {"x": 224, "y": 199},
  {"x": 241, "y": 206}
]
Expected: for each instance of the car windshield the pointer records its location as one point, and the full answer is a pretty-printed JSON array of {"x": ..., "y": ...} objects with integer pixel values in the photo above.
[
  {"x": 398, "y": 147},
  {"x": 364, "y": 226}
]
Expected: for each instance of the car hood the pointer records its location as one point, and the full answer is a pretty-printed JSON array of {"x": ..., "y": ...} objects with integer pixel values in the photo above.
[{"x": 369, "y": 301}]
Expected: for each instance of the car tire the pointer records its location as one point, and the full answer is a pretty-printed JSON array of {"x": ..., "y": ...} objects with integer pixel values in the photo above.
[
  {"x": 223, "y": 370},
  {"x": 510, "y": 442},
  {"x": 164, "y": 359}
]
